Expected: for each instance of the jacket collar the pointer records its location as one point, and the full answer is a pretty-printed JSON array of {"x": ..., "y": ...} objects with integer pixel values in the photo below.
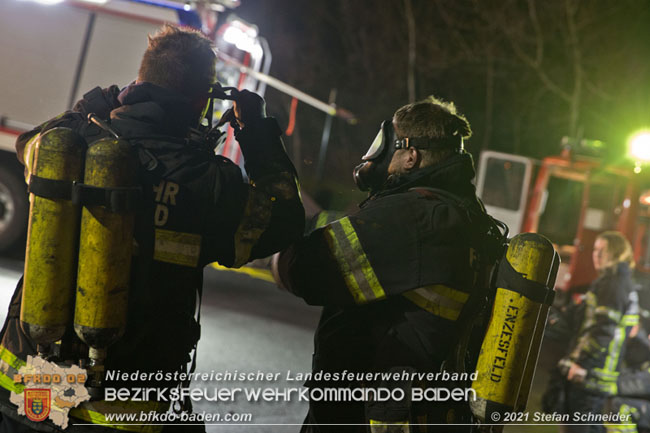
[
  {"x": 454, "y": 175},
  {"x": 147, "y": 108}
]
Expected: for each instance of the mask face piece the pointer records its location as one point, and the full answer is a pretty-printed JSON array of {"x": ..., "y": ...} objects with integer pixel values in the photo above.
[
  {"x": 371, "y": 174},
  {"x": 376, "y": 147}
]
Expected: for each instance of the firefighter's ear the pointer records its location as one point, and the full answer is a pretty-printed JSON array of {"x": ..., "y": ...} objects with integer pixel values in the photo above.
[{"x": 412, "y": 159}]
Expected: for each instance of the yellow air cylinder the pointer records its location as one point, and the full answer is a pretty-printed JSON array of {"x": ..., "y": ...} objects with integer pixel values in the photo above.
[
  {"x": 105, "y": 248},
  {"x": 536, "y": 345},
  {"x": 511, "y": 344},
  {"x": 51, "y": 253}
]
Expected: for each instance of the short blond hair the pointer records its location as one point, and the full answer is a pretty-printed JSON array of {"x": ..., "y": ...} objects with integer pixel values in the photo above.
[
  {"x": 436, "y": 119},
  {"x": 619, "y": 248}
]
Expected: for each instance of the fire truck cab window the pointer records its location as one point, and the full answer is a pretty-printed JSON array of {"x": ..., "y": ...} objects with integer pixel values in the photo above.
[
  {"x": 504, "y": 180},
  {"x": 559, "y": 218}
]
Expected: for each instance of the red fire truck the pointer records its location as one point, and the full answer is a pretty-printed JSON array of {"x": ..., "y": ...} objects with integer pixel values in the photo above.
[{"x": 571, "y": 198}]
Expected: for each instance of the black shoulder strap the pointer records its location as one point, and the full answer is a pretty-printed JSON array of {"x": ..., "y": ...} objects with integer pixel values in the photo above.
[
  {"x": 96, "y": 101},
  {"x": 480, "y": 221},
  {"x": 509, "y": 278},
  {"x": 492, "y": 246},
  {"x": 466, "y": 204},
  {"x": 147, "y": 160}
]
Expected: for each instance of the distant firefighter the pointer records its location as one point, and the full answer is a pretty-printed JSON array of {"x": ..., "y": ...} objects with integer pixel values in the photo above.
[{"x": 611, "y": 315}]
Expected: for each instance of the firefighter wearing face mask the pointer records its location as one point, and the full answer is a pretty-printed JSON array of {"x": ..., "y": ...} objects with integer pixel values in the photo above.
[{"x": 394, "y": 277}]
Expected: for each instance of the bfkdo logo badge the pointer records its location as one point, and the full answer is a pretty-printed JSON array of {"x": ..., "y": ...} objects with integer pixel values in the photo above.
[{"x": 37, "y": 403}]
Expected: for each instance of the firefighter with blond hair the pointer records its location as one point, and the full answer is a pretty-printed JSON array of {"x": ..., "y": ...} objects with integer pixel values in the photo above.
[{"x": 611, "y": 315}]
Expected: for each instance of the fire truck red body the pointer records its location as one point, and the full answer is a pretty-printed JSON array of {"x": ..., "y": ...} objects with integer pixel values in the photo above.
[{"x": 569, "y": 198}]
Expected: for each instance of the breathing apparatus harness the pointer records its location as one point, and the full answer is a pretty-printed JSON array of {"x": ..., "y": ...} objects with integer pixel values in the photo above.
[{"x": 73, "y": 192}]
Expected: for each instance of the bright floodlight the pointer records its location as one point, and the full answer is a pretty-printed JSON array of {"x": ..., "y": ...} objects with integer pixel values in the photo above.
[
  {"x": 242, "y": 36},
  {"x": 639, "y": 146}
]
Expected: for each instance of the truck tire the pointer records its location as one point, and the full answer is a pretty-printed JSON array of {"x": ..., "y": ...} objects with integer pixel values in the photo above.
[{"x": 14, "y": 208}]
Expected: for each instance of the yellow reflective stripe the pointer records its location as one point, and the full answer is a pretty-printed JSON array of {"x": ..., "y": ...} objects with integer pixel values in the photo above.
[
  {"x": 609, "y": 388},
  {"x": 10, "y": 358},
  {"x": 453, "y": 294},
  {"x": 593, "y": 346},
  {"x": 616, "y": 344},
  {"x": 261, "y": 274},
  {"x": 612, "y": 314},
  {"x": 614, "y": 349},
  {"x": 627, "y": 413},
  {"x": 613, "y": 428},
  {"x": 590, "y": 298},
  {"x": 8, "y": 383},
  {"x": 630, "y": 320},
  {"x": 10, "y": 364},
  {"x": 177, "y": 247},
  {"x": 321, "y": 220},
  {"x": 94, "y": 412},
  {"x": 362, "y": 260},
  {"x": 348, "y": 276},
  {"x": 603, "y": 375},
  {"x": 255, "y": 220},
  {"x": 590, "y": 301},
  {"x": 357, "y": 272},
  {"x": 603, "y": 380},
  {"x": 376, "y": 422},
  {"x": 440, "y": 300},
  {"x": 389, "y": 426}
]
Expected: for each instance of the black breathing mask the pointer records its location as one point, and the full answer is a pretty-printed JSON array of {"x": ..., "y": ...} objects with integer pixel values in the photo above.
[
  {"x": 204, "y": 132},
  {"x": 372, "y": 174},
  {"x": 217, "y": 91}
]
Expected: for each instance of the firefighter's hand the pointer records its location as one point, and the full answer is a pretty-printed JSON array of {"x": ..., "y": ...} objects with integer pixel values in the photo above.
[
  {"x": 248, "y": 108},
  {"x": 228, "y": 117},
  {"x": 576, "y": 373}
]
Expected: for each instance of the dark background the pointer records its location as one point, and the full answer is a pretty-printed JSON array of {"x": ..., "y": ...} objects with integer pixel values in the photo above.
[{"x": 525, "y": 73}]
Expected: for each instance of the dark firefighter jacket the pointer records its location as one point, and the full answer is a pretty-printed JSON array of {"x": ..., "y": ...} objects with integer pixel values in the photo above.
[
  {"x": 394, "y": 277},
  {"x": 196, "y": 210},
  {"x": 611, "y": 310},
  {"x": 633, "y": 394}
]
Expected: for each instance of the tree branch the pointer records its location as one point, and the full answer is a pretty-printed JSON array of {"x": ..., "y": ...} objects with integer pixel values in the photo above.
[{"x": 410, "y": 74}]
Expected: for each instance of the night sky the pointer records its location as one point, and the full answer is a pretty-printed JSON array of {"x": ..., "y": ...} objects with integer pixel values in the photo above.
[{"x": 524, "y": 73}]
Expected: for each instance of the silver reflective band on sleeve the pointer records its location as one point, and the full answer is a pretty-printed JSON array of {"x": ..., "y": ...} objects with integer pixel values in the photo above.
[{"x": 357, "y": 272}]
